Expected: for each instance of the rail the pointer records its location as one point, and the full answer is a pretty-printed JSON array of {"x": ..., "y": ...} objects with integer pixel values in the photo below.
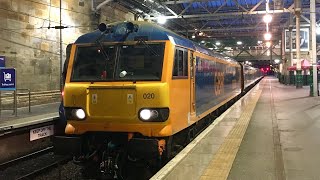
[{"x": 15, "y": 95}]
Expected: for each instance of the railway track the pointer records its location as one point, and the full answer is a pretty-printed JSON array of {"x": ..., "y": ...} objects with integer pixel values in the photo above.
[{"x": 32, "y": 165}]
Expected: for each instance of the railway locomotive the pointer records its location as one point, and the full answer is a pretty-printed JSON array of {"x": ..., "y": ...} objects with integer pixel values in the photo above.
[{"x": 137, "y": 92}]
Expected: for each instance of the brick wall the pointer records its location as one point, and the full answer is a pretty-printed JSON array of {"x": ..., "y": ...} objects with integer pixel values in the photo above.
[{"x": 33, "y": 49}]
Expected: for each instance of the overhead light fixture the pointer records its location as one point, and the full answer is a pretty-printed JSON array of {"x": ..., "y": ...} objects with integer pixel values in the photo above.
[
  {"x": 239, "y": 42},
  {"x": 161, "y": 19},
  {"x": 267, "y": 36},
  {"x": 276, "y": 61},
  {"x": 200, "y": 33},
  {"x": 218, "y": 43},
  {"x": 267, "y": 18},
  {"x": 193, "y": 36},
  {"x": 202, "y": 42}
]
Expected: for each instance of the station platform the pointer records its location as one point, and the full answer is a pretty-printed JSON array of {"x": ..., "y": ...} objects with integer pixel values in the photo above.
[
  {"x": 269, "y": 134},
  {"x": 38, "y": 114}
]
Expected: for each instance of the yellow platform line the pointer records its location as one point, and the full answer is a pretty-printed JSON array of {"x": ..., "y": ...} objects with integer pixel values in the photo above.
[{"x": 220, "y": 165}]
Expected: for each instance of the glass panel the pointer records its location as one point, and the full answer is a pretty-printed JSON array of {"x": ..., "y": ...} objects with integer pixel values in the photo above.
[
  {"x": 180, "y": 62},
  {"x": 140, "y": 62},
  {"x": 175, "y": 68},
  {"x": 185, "y": 63},
  {"x": 91, "y": 64}
]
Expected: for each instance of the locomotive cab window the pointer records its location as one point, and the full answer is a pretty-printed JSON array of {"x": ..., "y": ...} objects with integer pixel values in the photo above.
[
  {"x": 132, "y": 62},
  {"x": 93, "y": 63},
  {"x": 141, "y": 61},
  {"x": 180, "y": 69}
]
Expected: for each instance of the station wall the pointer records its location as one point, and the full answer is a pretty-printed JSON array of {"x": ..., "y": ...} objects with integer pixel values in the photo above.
[{"x": 33, "y": 49}]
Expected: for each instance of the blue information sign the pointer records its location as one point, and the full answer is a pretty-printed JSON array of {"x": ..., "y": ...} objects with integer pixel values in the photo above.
[
  {"x": 2, "y": 61},
  {"x": 7, "y": 79}
]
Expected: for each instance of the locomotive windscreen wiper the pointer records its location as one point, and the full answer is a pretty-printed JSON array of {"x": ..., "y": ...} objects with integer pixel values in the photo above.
[
  {"x": 142, "y": 41},
  {"x": 103, "y": 28}
]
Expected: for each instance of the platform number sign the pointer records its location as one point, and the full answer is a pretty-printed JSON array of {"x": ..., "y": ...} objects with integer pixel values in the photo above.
[{"x": 7, "y": 79}]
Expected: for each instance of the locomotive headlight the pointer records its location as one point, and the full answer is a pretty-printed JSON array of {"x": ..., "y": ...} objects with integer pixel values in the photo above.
[
  {"x": 154, "y": 114},
  {"x": 147, "y": 114},
  {"x": 79, "y": 113},
  {"x": 75, "y": 113}
]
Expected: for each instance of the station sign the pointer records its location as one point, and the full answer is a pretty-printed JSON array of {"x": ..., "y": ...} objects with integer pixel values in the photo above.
[
  {"x": 7, "y": 79},
  {"x": 41, "y": 132},
  {"x": 2, "y": 61}
]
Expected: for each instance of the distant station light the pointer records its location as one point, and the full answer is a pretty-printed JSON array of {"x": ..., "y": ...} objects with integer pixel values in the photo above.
[
  {"x": 276, "y": 61},
  {"x": 267, "y": 18},
  {"x": 239, "y": 42},
  {"x": 161, "y": 19},
  {"x": 218, "y": 43},
  {"x": 268, "y": 44},
  {"x": 193, "y": 36},
  {"x": 267, "y": 36}
]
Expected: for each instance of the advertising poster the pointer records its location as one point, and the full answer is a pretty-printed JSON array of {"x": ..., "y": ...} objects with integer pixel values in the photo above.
[{"x": 304, "y": 39}]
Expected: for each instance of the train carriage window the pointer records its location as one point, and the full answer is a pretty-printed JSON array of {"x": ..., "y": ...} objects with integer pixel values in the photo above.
[{"x": 180, "y": 69}]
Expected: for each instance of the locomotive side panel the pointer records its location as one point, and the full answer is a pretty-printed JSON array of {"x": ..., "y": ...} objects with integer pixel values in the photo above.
[
  {"x": 180, "y": 89},
  {"x": 216, "y": 83},
  {"x": 251, "y": 75}
]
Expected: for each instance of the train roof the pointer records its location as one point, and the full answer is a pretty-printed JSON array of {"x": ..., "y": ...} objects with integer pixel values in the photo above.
[{"x": 147, "y": 31}]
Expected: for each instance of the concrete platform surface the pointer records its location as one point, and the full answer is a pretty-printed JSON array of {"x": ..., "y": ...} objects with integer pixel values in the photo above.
[
  {"x": 282, "y": 140},
  {"x": 39, "y": 114},
  {"x": 271, "y": 133}
]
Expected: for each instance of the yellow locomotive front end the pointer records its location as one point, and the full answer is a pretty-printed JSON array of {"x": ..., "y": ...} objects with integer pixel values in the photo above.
[
  {"x": 139, "y": 93},
  {"x": 117, "y": 88}
]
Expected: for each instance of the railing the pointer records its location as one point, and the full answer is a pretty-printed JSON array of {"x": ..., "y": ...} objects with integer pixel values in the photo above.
[{"x": 15, "y": 95}]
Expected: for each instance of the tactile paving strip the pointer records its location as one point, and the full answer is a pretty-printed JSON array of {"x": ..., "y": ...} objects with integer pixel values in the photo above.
[{"x": 221, "y": 164}]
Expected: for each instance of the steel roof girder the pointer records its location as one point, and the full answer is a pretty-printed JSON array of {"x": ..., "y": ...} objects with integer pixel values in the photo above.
[
  {"x": 230, "y": 29},
  {"x": 186, "y": 8},
  {"x": 224, "y": 14},
  {"x": 225, "y": 2},
  {"x": 256, "y": 6},
  {"x": 184, "y": 1},
  {"x": 236, "y": 2}
]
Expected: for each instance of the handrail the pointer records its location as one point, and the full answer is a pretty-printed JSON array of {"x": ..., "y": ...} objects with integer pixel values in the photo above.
[
  {"x": 29, "y": 96},
  {"x": 15, "y": 99}
]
